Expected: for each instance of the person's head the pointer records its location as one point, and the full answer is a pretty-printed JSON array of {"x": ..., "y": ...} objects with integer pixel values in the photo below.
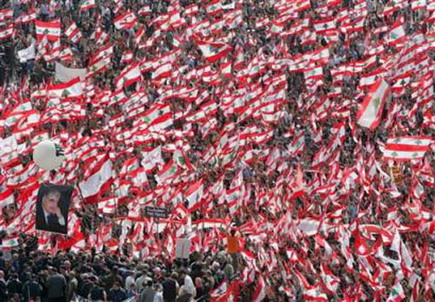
[
  {"x": 50, "y": 201},
  {"x": 198, "y": 282},
  {"x": 149, "y": 283}
]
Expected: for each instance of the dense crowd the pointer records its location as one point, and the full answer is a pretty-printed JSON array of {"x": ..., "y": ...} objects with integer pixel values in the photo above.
[{"x": 238, "y": 117}]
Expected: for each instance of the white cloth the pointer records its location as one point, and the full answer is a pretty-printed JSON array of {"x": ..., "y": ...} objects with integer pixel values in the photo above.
[{"x": 189, "y": 287}]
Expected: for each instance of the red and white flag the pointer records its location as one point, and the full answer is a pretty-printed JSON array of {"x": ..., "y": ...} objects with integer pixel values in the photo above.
[
  {"x": 194, "y": 194},
  {"x": 397, "y": 33},
  {"x": 125, "y": 21},
  {"x": 50, "y": 29},
  {"x": 73, "y": 33},
  {"x": 7, "y": 32},
  {"x": 87, "y": 4},
  {"x": 73, "y": 88},
  {"x": 128, "y": 76},
  {"x": 98, "y": 181},
  {"x": 260, "y": 290},
  {"x": 406, "y": 148},
  {"x": 370, "y": 113},
  {"x": 6, "y": 198},
  {"x": 213, "y": 51}
]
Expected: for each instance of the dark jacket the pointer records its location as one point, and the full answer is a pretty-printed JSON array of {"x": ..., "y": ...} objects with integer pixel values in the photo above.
[{"x": 41, "y": 224}]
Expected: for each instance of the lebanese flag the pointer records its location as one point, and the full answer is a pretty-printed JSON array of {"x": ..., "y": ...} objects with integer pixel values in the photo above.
[
  {"x": 100, "y": 180},
  {"x": 6, "y": 198},
  {"x": 125, "y": 21},
  {"x": 260, "y": 291},
  {"x": 163, "y": 71},
  {"x": 87, "y": 4},
  {"x": 7, "y": 32},
  {"x": 214, "y": 8},
  {"x": 10, "y": 242},
  {"x": 397, "y": 293},
  {"x": 128, "y": 76},
  {"x": 397, "y": 34},
  {"x": 324, "y": 25},
  {"x": 73, "y": 33},
  {"x": 26, "y": 18},
  {"x": 194, "y": 194},
  {"x": 73, "y": 88},
  {"x": 50, "y": 29},
  {"x": 406, "y": 148},
  {"x": 370, "y": 113},
  {"x": 169, "y": 171},
  {"x": 213, "y": 51}
]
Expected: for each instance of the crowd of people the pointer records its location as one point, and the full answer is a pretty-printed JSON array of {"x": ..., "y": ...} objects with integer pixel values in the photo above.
[{"x": 241, "y": 119}]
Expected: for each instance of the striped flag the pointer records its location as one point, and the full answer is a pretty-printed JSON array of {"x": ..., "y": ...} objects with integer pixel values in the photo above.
[
  {"x": 131, "y": 74},
  {"x": 213, "y": 51},
  {"x": 6, "y": 198},
  {"x": 370, "y": 113},
  {"x": 73, "y": 33},
  {"x": 194, "y": 194},
  {"x": 49, "y": 29},
  {"x": 125, "y": 21},
  {"x": 98, "y": 181},
  {"x": 406, "y": 147},
  {"x": 169, "y": 171},
  {"x": 260, "y": 291},
  {"x": 397, "y": 34},
  {"x": 87, "y": 4},
  {"x": 10, "y": 242},
  {"x": 73, "y": 88},
  {"x": 6, "y": 32}
]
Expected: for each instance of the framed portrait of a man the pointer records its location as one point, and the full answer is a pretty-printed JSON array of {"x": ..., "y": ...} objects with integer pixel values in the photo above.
[{"x": 52, "y": 208}]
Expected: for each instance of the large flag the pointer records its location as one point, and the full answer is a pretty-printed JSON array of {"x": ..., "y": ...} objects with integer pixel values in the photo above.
[
  {"x": 50, "y": 29},
  {"x": 406, "y": 147},
  {"x": 370, "y": 113},
  {"x": 70, "y": 89},
  {"x": 98, "y": 181},
  {"x": 213, "y": 51}
]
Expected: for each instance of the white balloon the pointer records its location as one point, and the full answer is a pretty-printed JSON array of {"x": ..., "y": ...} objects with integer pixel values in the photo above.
[{"x": 48, "y": 155}]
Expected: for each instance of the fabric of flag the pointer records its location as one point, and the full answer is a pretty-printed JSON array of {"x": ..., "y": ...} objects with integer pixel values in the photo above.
[
  {"x": 370, "y": 113},
  {"x": 126, "y": 21},
  {"x": 87, "y": 4},
  {"x": 397, "y": 33},
  {"x": 97, "y": 182},
  {"x": 73, "y": 33},
  {"x": 405, "y": 148},
  {"x": 6, "y": 32},
  {"x": 213, "y": 51},
  {"x": 49, "y": 29},
  {"x": 130, "y": 75},
  {"x": 260, "y": 290},
  {"x": 73, "y": 88}
]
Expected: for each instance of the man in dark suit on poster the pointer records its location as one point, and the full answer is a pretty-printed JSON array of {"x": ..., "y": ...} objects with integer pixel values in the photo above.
[{"x": 52, "y": 208}]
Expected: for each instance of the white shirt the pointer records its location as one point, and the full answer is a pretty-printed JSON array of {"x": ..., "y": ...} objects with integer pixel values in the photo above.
[{"x": 189, "y": 287}]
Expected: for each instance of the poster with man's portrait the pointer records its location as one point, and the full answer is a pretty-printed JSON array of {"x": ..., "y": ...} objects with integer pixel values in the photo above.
[{"x": 52, "y": 208}]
